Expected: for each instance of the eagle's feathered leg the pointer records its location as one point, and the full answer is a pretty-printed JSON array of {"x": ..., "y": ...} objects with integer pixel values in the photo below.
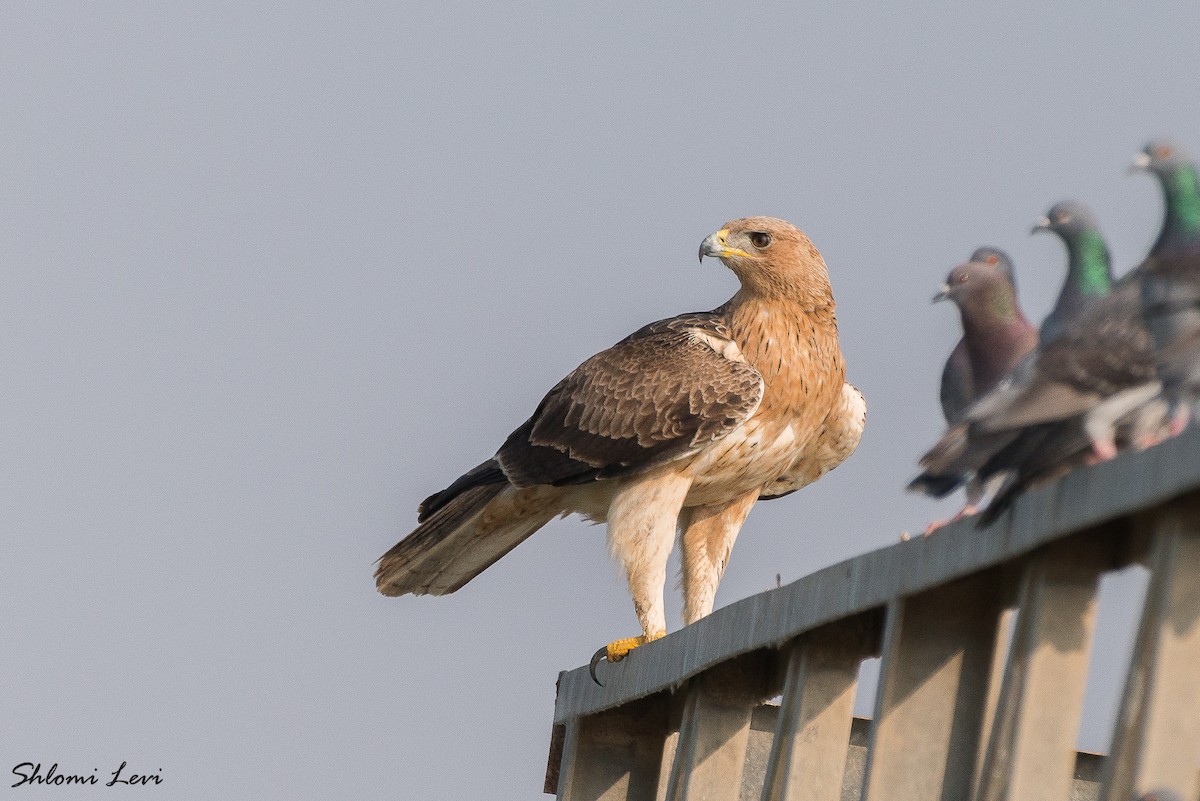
[
  {"x": 642, "y": 520},
  {"x": 707, "y": 540},
  {"x": 641, "y": 531}
]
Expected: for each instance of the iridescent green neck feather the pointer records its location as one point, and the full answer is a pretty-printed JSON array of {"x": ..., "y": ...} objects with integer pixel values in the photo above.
[
  {"x": 1183, "y": 205},
  {"x": 1090, "y": 265}
]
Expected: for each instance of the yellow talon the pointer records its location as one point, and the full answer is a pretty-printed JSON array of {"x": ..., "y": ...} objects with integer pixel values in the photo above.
[{"x": 616, "y": 651}]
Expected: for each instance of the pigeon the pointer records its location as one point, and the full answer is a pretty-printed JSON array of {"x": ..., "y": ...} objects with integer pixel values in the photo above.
[
  {"x": 1171, "y": 164},
  {"x": 1065, "y": 406},
  {"x": 1046, "y": 451},
  {"x": 1171, "y": 276},
  {"x": 1089, "y": 266},
  {"x": 996, "y": 335},
  {"x": 1100, "y": 367}
]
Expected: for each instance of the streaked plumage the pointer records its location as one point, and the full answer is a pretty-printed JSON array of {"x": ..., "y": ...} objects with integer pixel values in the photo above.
[{"x": 685, "y": 423}]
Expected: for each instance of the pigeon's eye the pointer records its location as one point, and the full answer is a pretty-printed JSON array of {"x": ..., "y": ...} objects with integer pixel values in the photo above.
[
  {"x": 992, "y": 259},
  {"x": 962, "y": 279},
  {"x": 760, "y": 239},
  {"x": 1162, "y": 152},
  {"x": 1063, "y": 217}
]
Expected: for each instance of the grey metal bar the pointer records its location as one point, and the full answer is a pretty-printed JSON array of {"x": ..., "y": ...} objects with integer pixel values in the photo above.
[
  {"x": 808, "y": 754},
  {"x": 944, "y": 727},
  {"x": 1031, "y": 748},
  {"x": 1156, "y": 741},
  {"x": 613, "y": 756},
  {"x": 1000, "y": 653},
  {"x": 670, "y": 747},
  {"x": 714, "y": 734},
  {"x": 933, "y": 685}
]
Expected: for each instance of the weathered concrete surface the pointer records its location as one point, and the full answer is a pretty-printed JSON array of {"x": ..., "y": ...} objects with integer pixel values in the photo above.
[{"x": 1085, "y": 787}]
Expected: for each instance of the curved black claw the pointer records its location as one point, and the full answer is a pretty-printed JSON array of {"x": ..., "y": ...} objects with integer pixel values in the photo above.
[{"x": 602, "y": 654}]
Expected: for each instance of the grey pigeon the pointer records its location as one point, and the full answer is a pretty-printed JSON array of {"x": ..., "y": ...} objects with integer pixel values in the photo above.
[
  {"x": 1100, "y": 367},
  {"x": 996, "y": 333},
  {"x": 1170, "y": 163},
  {"x": 1171, "y": 282},
  {"x": 1089, "y": 265},
  {"x": 1098, "y": 370},
  {"x": 996, "y": 336}
]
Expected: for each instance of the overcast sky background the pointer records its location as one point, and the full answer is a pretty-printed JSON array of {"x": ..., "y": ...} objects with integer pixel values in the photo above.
[{"x": 273, "y": 274}]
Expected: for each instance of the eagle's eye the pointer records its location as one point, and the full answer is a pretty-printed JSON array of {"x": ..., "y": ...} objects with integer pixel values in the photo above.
[{"x": 760, "y": 239}]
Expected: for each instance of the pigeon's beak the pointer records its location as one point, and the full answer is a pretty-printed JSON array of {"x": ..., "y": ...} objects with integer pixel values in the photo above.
[
  {"x": 1140, "y": 163},
  {"x": 944, "y": 294},
  {"x": 714, "y": 245},
  {"x": 1042, "y": 224}
]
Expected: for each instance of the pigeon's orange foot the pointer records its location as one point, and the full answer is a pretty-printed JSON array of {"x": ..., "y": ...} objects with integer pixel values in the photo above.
[
  {"x": 1179, "y": 421},
  {"x": 618, "y": 650},
  {"x": 1147, "y": 441},
  {"x": 1102, "y": 451},
  {"x": 967, "y": 511}
]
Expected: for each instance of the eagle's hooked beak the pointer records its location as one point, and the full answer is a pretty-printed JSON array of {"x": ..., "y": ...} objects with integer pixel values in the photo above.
[
  {"x": 1041, "y": 225},
  {"x": 714, "y": 245},
  {"x": 1140, "y": 163}
]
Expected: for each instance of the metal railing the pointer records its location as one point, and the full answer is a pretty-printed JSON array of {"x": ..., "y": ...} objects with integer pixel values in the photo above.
[{"x": 985, "y": 637}]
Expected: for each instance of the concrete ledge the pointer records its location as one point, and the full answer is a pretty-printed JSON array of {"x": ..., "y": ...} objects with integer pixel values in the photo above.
[{"x": 1081, "y": 500}]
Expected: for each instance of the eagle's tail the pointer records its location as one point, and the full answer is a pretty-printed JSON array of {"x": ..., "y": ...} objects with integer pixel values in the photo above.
[{"x": 462, "y": 531}]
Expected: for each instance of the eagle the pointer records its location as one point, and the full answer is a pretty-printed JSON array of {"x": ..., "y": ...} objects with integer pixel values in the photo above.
[{"x": 680, "y": 427}]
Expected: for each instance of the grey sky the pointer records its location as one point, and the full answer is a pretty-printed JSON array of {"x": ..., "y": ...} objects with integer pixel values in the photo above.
[{"x": 275, "y": 273}]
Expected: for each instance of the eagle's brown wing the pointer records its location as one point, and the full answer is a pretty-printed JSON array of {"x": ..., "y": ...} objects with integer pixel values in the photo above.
[{"x": 658, "y": 395}]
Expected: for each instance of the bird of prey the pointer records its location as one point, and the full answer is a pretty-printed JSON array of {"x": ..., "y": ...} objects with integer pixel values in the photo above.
[
  {"x": 1089, "y": 266},
  {"x": 682, "y": 425}
]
